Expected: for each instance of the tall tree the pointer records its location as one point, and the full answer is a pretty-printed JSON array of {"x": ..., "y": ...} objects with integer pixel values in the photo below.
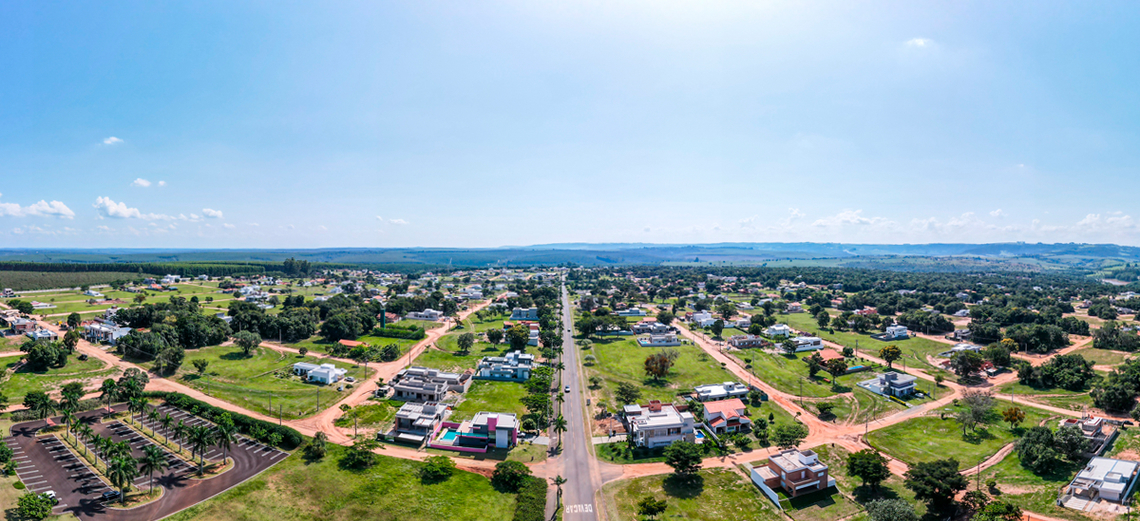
[{"x": 936, "y": 482}]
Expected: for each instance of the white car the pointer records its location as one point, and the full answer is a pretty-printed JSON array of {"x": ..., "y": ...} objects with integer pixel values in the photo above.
[
  {"x": 51, "y": 495},
  {"x": 567, "y": 388}
]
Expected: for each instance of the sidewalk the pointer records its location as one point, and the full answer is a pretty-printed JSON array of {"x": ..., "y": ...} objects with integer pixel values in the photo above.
[{"x": 598, "y": 440}]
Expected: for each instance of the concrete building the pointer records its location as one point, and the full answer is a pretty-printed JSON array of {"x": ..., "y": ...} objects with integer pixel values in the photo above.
[
  {"x": 721, "y": 391},
  {"x": 658, "y": 424},
  {"x": 524, "y": 314},
  {"x": 516, "y": 366},
  {"x": 417, "y": 421},
  {"x": 727, "y": 416},
  {"x": 427, "y": 314},
  {"x": 1102, "y": 478},
  {"x": 797, "y": 472}
]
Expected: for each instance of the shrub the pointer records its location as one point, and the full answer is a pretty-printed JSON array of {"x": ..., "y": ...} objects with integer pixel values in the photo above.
[
  {"x": 436, "y": 469},
  {"x": 510, "y": 476},
  {"x": 530, "y": 504},
  {"x": 19, "y": 485}
]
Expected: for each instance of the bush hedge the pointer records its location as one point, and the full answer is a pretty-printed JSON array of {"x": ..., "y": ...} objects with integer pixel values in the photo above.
[
  {"x": 407, "y": 333},
  {"x": 530, "y": 505},
  {"x": 83, "y": 405},
  {"x": 290, "y": 438}
]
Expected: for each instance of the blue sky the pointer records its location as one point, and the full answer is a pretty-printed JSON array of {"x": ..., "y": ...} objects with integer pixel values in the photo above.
[{"x": 384, "y": 124}]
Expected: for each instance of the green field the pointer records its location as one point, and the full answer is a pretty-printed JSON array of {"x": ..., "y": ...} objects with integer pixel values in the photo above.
[
  {"x": 1103, "y": 356},
  {"x": 788, "y": 373},
  {"x": 836, "y": 459},
  {"x": 299, "y": 490},
  {"x": 369, "y": 415},
  {"x": 490, "y": 396},
  {"x": 255, "y": 381},
  {"x": 317, "y": 344},
  {"x": 622, "y": 359},
  {"x": 15, "y": 385},
  {"x": 929, "y": 438},
  {"x": 721, "y": 495}
]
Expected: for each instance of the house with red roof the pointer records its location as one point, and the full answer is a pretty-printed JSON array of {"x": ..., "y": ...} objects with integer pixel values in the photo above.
[{"x": 723, "y": 416}]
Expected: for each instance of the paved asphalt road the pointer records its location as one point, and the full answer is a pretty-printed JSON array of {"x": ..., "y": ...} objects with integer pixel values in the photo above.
[{"x": 578, "y": 465}]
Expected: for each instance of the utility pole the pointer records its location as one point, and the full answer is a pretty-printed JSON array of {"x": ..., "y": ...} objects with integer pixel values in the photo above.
[
  {"x": 801, "y": 392},
  {"x": 279, "y": 406}
]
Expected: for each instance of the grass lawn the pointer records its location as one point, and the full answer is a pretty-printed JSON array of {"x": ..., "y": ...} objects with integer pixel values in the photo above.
[
  {"x": 915, "y": 350},
  {"x": 929, "y": 438},
  {"x": 391, "y": 490},
  {"x": 16, "y": 385},
  {"x": 721, "y": 494},
  {"x": 852, "y": 487},
  {"x": 1057, "y": 397},
  {"x": 863, "y": 405},
  {"x": 317, "y": 344},
  {"x": 1103, "y": 356},
  {"x": 615, "y": 453},
  {"x": 370, "y": 415},
  {"x": 787, "y": 372},
  {"x": 1128, "y": 439},
  {"x": 490, "y": 396},
  {"x": 252, "y": 382},
  {"x": 621, "y": 359}
]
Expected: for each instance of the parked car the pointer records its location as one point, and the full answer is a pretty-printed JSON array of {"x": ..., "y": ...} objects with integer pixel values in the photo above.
[
  {"x": 51, "y": 495},
  {"x": 567, "y": 388},
  {"x": 349, "y": 379},
  {"x": 110, "y": 494}
]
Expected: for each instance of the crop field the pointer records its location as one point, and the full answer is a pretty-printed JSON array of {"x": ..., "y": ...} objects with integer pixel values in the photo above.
[{"x": 36, "y": 280}]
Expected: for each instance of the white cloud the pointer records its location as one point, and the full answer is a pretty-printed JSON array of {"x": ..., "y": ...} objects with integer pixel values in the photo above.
[
  {"x": 109, "y": 208},
  {"x": 997, "y": 213},
  {"x": 378, "y": 218},
  {"x": 213, "y": 214},
  {"x": 920, "y": 42},
  {"x": 850, "y": 217},
  {"x": 253, "y": 224},
  {"x": 162, "y": 183},
  {"x": 40, "y": 209},
  {"x": 400, "y": 222},
  {"x": 112, "y": 141},
  {"x": 228, "y": 225},
  {"x": 141, "y": 182},
  {"x": 794, "y": 214},
  {"x": 749, "y": 223}
]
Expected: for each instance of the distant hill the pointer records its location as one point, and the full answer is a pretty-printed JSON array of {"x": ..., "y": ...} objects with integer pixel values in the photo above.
[{"x": 921, "y": 257}]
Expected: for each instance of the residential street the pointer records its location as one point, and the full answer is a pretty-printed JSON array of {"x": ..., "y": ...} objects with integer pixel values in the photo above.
[{"x": 576, "y": 463}]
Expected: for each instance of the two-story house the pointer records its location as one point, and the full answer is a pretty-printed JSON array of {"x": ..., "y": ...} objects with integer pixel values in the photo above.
[
  {"x": 659, "y": 424},
  {"x": 725, "y": 416},
  {"x": 797, "y": 472},
  {"x": 515, "y": 367}
]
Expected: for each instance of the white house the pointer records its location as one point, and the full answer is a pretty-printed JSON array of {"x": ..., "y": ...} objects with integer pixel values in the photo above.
[
  {"x": 93, "y": 293},
  {"x": 324, "y": 373},
  {"x": 703, "y": 319},
  {"x": 807, "y": 343},
  {"x": 896, "y": 332},
  {"x": 524, "y": 314},
  {"x": 631, "y": 312},
  {"x": 721, "y": 391},
  {"x": 427, "y": 314},
  {"x": 778, "y": 330},
  {"x": 658, "y": 424}
]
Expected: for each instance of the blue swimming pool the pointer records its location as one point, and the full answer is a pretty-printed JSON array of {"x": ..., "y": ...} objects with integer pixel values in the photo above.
[
  {"x": 700, "y": 435},
  {"x": 449, "y": 436}
]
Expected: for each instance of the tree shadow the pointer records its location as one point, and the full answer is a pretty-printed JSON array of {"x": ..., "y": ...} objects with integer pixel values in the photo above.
[
  {"x": 234, "y": 355},
  {"x": 684, "y": 487},
  {"x": 977, "y": 436},
  {"x": 864, "y": 493}
]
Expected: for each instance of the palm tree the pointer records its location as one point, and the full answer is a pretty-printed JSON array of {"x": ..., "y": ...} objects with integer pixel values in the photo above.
[
  {"x": 153, "y": 460},
  {"x": 152, "y": 415},
  {"x": 559, "y": 427},
  {"x": 68, "y": 418},
  {"x": 558, "y": 482},
  {"x": 201, "y": 437},
  {"x": 180, "y": 432},
  {"x": 121, "y": 471},
  {"x": 136, "y": 405},
  {"x": 225, "y": 434},
  {"x": 81, "y": 431},
  {"x": 165, "y": 422},
  {"x": 110, "y": 390}
]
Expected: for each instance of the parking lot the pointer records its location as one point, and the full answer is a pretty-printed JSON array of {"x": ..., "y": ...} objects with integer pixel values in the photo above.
[{"x": 46, "y": 464}]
